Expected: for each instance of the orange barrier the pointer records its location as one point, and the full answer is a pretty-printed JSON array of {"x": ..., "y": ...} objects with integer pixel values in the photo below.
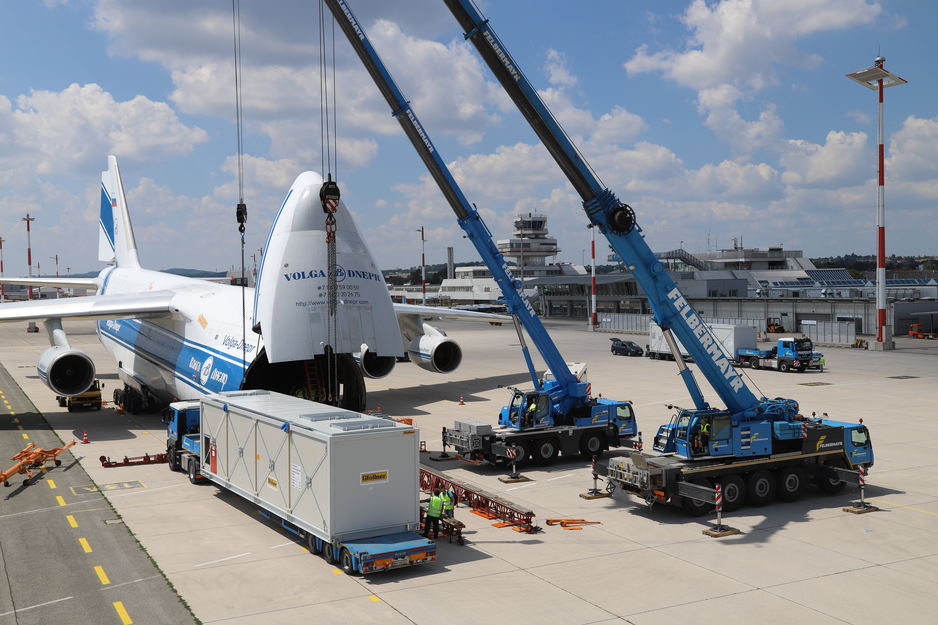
[{"x": 30, "y": 458}]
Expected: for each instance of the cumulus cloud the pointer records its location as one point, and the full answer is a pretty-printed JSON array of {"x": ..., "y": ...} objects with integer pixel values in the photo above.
[
  {"x": 734, "y": 51},
  {"x": 67, "y": 132},
  {"x": 913, "y": 150},
  {"x": 843, "y": 160}
]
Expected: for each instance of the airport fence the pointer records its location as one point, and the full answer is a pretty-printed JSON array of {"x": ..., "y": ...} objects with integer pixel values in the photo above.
[
  {"x": 842, "y": 332},
  {"x": 638, "y": 324}
]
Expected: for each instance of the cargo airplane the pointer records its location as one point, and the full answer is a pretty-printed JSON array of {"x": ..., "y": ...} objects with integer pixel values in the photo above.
[{"x": 180, "y": 338}]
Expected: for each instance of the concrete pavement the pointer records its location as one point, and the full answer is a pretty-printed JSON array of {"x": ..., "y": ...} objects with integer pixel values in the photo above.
[{"x": 806, "y": 561}]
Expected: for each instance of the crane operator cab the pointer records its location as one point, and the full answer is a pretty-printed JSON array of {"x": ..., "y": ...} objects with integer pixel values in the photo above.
[{"x": 528, "y": 410}]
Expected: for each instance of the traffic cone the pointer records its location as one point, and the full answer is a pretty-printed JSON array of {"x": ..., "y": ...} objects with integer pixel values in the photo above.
[
  {"x": 379, "y": 407},
  {"x": 84, "y": 440},
  {"x": 461, "y": 402}
]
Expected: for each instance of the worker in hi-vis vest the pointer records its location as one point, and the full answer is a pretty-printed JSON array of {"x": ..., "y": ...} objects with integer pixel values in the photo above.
[
  {"x": 434, "y": 511},
  {"x": 449, "y": 502}
]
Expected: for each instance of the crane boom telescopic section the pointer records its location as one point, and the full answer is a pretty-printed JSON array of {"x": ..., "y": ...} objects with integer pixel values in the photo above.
[
  {"x": 518, "y": 305},
  {"x": 616, "y": 221}
]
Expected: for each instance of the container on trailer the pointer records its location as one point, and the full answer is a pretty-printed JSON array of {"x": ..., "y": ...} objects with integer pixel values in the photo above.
[
  {"x": 337, "y": 474},
  {"x": 733, "y": 338}
]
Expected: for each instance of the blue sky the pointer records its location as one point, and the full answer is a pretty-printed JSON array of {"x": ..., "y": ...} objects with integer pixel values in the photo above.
[{"x": 712, "y": 119}]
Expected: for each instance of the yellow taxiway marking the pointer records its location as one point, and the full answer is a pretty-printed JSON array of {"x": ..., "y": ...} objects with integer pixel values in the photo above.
[
  {"x": 889, "y": 503},
  {"x": 337, "y": 571},
  {"x": 44, "y": 470},
  {"x": 51, "y": 483},
  {"x": 121, "y": 612},
  {"x": 373, "y": 598},
  {"x": 16, "y": 420},
  {"x": 25, "y": 435},
  {"x": 100, "y": 571},
  {"x": 72, "y": 521},
  {"x": 84, "y": 544},
  {"x": 19, "y": 427},
  {"x": 60, "y": 500}
]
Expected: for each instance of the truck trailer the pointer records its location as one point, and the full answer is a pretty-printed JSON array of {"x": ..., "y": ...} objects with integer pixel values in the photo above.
[{"x": 343, "y": 482}]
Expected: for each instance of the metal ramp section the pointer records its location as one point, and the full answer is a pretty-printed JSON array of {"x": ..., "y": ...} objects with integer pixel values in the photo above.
[{"x": 685, "y": 257}]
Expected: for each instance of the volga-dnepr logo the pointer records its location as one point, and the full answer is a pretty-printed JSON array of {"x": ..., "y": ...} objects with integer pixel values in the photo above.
[{"x": 340, "y": 275}]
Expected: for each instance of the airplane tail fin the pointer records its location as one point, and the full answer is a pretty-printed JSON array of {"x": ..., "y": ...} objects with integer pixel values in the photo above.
[{"x": 116, "y": 235}]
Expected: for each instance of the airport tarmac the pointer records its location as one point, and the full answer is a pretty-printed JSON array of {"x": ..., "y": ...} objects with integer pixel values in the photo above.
[{"x": 807, "y": 561}]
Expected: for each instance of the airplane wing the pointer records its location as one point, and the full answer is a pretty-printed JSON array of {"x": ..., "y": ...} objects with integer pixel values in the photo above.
[
  {"x": 97, "y": 307},
  {"x": 62, "y": 283},
  {"x": 448, "y": 313}
]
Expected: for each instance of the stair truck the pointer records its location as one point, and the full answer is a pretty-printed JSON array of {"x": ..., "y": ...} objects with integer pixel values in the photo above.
[
  {"x": 753, "y": 430},
  {"x": 567, "y": 418},
  {"x": 343, "y": 482}
]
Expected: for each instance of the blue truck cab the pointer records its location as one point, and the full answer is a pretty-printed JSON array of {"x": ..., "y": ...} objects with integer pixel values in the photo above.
[
  {"x": 533, "y": 410},
  {"x": 725, "y": 438},
  {"x": 183, "y": 440}
]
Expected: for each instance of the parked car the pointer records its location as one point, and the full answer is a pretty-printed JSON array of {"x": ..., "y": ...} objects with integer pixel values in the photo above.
[{"x": 626, "y": 348}]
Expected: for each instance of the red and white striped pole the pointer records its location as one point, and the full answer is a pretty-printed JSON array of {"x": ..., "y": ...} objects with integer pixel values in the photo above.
[
  {"x": 593, "y": 255},
  {"x": 881, "y": 223},
  {"x": 719, "y": 504},
  {"x": 423, "y": 264},
  {"x": 29, "y": 250},
  {"x": 878, "y": 78}
]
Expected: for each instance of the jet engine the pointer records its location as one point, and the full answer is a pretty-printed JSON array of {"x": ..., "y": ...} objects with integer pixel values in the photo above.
[
  {"x": 66, "y": 370},
  {"x": 434, "y": 351},
  {"x": 374, "y": 366}
]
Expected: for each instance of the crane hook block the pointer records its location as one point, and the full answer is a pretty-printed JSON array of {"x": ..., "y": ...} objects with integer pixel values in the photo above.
[
  {"x": 241, "y": 212},
  {"x": 621, "y": 219},
  {"x": 329, "y": 194}
]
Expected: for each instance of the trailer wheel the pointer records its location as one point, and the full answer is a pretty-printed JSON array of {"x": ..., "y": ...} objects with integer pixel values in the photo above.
[
  {"x": 592, "y": 444},
  {"x": 754, "y": 363},
  {"x": 783, "y": 367},
  {"x": 346, "y": 563},
  {"x": 311, "y": 544},
  {"x": 58, "y": 462},
  {"x": 695, "y": 507},
  {"x": 193, "y": 470},
  {"x": 834, "y": 484},
  {"x": 761, "y": 488},
  {"x": 328, "y": 554},
  {"x": 791, "y": 483},
  {"x": 734, "y": 492},
  {"x": 546, "y": 451}
]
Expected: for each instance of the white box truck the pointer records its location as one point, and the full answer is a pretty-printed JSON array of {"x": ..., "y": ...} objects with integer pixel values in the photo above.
[{"x": 344, "y": 482}]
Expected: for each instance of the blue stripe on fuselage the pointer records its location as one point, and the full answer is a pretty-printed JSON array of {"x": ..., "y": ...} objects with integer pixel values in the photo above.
[{"x": 203, "y": 368}]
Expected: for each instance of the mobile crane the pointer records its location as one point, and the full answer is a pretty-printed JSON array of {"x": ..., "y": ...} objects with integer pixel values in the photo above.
[
  {"x": 762, "y": 440},
  {"x": 560, "y": 415}
]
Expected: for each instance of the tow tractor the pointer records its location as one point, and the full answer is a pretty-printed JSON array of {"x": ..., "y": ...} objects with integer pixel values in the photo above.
[
  {"x": 565, "y": 416},
  {"x": 753, "y": 444}
]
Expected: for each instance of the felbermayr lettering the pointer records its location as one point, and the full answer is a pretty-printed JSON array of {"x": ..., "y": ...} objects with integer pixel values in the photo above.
[{"x": 699, "y": 329}]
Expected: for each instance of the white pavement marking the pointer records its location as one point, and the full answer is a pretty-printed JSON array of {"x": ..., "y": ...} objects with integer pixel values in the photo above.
[
  {"x": 35, "y": 606},
  {"x": 142, "y": 579},
  {"x": 223, "y": 559},
  {"x": 517, "y": 487},
  {"x": 147, "y": 490},
  {"x": 561, "y": 477},
  {"x": 283, "y": 545}
]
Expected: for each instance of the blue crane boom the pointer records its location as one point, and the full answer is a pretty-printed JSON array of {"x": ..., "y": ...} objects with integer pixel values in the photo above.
[
  {"x": 616, "y": 220},
  {"x": 567, "y": 391}
]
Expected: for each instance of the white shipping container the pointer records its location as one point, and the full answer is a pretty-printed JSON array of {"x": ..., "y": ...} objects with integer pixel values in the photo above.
[
  {"x": 337, "y": 474},
  {"x": 657, "y": 343},
  {"x": 733, "y": 338}
]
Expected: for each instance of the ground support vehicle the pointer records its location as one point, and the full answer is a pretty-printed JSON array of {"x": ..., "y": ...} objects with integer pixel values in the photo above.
[
  {"x": 30, "y": 458},
  {"x": 782, "y": 462},
  {"x": 89, "y": 399},
  {"x": 773, "y": 325},
  {"x": 790, "y": 354},
  {"x": 563, "y": 399},
  {"x": 594, "y": 427},
  {"x": 916, "y": 331},
  {"x": 625, "y": 348},
  {"x": 343, "y": 482}
]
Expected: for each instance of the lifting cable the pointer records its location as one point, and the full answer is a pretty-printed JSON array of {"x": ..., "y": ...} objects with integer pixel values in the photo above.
[
  {"x": 241, "y": 212},
  {"x": 329, "y": 196}
]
